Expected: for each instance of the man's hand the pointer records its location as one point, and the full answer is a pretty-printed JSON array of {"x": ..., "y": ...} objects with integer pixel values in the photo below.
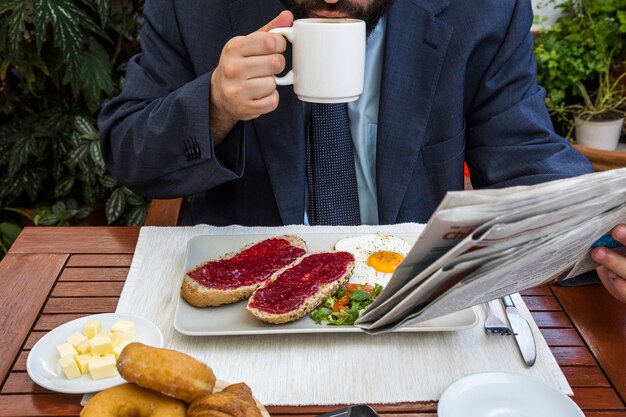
[
  {"x": 242, "y": 85},
  {"x": 612, "y": 271}
]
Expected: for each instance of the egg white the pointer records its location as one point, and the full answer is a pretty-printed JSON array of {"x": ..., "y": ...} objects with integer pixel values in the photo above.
[{"x": 362, "y": 247}]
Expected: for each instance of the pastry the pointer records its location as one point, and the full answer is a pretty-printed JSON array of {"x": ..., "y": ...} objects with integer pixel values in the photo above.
[
  {"x": 166, "y": 371},
  {"x": 130, "y": 400},
  {"x": 233, "y": 401}
]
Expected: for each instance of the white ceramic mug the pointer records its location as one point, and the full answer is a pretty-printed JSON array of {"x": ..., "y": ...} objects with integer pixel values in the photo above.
[{"x": 328, "y": 59}]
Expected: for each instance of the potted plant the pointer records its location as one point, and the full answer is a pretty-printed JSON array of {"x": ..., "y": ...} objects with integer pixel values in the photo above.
[
  {"x": 579, "y": 61},
  {"x": 599, "y": 119}
]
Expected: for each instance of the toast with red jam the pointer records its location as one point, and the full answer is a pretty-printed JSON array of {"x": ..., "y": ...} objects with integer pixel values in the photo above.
[
  {"x": 235, "y": 276},
  {"x": 294, "y": 291}
]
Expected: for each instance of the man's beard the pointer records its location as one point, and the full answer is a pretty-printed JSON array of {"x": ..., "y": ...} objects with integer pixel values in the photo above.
[{"x": 370, "y": 13}]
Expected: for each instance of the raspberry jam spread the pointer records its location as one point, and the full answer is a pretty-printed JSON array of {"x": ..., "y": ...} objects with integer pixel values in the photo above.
[
  {"x": 248, "y": 267},
  {"x": 289, "y": 290}
]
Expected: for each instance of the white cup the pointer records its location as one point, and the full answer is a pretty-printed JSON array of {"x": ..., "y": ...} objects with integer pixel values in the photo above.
[{"x": 328, "y": 59}]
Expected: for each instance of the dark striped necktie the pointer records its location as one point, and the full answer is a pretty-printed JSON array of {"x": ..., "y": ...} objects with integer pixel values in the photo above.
[{"x": 333, "y": 196}]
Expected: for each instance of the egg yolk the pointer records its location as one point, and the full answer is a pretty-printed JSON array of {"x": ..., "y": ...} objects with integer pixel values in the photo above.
[{"x": 384, "y": 261}]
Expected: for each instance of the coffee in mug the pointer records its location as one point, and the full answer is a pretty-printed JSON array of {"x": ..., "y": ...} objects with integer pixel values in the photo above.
[{"x": 328, "y": 59}]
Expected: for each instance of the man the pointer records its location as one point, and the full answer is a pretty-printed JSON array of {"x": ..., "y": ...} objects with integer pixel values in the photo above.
[
  {"x": 447, "y": 81},
  {"x": 612, "y": 270}
]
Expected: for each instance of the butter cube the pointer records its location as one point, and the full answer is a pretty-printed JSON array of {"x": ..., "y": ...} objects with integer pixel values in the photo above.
[
  {"x": 100, "y": 345},
  {"x": 76, "y": 339},
  {"x": 120, "y": 337},
  {"x": 66, "y": 349},
  {"x": 92, "y": 328},
  {"x": 102, "y": 367},
  {"x": 70, "y": 369},
  {"x": 83, "y": 347},
  {"x": 125, "y": 326},
  {"x": 83, "y": 362},
  {"x": 117, "y": 351}
]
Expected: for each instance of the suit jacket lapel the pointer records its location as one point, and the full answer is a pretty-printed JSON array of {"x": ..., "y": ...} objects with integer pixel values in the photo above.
[
  {"x": 280, "y": 134},
  {"x": 416, "y": 43}
]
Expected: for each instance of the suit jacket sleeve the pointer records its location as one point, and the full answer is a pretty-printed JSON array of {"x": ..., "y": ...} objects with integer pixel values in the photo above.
[
  {"x": 510, "y": 138},
  {"x": 155, "y": 135}
]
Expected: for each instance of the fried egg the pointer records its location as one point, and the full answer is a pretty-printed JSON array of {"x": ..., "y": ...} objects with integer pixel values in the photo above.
[{"x": 376, "y": 256}]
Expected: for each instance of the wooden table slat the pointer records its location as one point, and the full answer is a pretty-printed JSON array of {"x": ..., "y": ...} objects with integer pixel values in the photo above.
[
  {"x": 40, "y": 405},
  {"x": 91, "y": 305},
  {"x": 573, "y": 356},
  {"x": 86, "y": 240},
  {"x": 20, "y": 363},
  {"x": 585, "y": 376},
  {"x": 93, "y": 274},
  {"x": 48, "y": 322},
  {"x": 542, "y": 303},
  {"x": 601, "y": 320},
  {"x": 562, "y": 337},
  {"x": 552, "y": 319},
  {"x": 117, "y": 260},
  {"x": 597, "y": 399},
  {"x": 20, "y": 383},
  {"x": 88, "y": 289},
  {"x": 24, "y": 291}
]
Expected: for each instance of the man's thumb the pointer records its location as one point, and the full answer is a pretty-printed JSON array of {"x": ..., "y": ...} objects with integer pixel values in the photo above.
[{"x": 284, "y": 19}]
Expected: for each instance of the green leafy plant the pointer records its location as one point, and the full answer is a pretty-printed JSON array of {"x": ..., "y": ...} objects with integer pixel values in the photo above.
[
  {"x": 59, "y": 59},
  {"x": 606, "y": 103},
  {"x": 586, "y": 44}
]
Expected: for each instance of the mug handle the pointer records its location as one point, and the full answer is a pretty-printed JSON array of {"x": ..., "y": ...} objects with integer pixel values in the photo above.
[{"x": 287, "y": 32}]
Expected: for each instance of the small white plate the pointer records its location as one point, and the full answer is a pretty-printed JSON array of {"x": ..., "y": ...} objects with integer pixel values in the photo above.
[
  {"x": 499, "y": 394},
  {"x": 43, "y": 366}
]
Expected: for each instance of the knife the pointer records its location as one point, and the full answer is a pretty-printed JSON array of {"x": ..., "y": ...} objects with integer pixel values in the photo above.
[
  {"x": 353, "y": 411},
  {"x": 521, "y": 331}
]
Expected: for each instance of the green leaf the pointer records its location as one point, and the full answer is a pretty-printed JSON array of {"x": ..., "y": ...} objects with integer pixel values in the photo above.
[
  {"x": 64, "y": 186},
  {"x": 108, "y": 181},
  {"x": 48, "y": 219},
  {"x": 18, "y": 12},
  {"x": 96, "y": 157},
  {"x": 95, "y": 74},
  {"x": 89, "y": 193},
  {"x": 8, "y": 233},
  {"x": 360, "y": 296},
  {"x": 32, "y": 178},
  {"x": 78, "y": 154},
  {"x": 135, "y": 200},
  {"x": 84, "y": 126},
  {"x": 19, "y": 155},
  {"x": 58, "y": 208},
  {"x": 83, "y": 212},
  {"x": 68, "y": 22},
  {"x": 10, "y": 186},
  {"x": 114, "y": 206},
  {"x": 103, "y": 10},
  {"x": 137, "y": 216}
]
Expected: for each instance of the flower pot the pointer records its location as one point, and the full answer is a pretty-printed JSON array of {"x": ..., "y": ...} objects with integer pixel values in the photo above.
[{"x": 600, "y": 134}]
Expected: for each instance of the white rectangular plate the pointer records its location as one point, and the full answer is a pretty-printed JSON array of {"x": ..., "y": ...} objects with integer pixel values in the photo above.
[{"x": 234, "y": 320}]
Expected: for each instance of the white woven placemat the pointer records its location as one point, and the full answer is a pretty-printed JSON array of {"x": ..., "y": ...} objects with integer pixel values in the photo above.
[{"x": 323, "y": 369}]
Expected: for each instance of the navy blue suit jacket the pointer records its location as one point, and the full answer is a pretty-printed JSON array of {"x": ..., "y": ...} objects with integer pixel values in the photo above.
[{"x": 459, "y": 84}]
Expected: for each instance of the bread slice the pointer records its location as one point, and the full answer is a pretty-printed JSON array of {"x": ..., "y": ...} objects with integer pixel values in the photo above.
[
  {"x": 205, "y": 292},
  {"x": 297, "y": 289}
]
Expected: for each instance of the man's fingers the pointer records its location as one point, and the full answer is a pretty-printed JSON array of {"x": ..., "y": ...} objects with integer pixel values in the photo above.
[
  {"x": 266, "y": 104},
  {"x": 615, "y": 285},
  {"x": 619, "y": 233},
  {"x": 284, "y": 19},
  {"x": 610, "y": 259}
]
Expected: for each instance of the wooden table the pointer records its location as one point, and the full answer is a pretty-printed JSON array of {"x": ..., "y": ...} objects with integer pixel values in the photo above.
[{"x": 53, "y": 275}]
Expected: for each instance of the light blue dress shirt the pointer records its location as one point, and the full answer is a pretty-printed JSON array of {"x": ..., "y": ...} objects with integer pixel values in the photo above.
[{"x": 363, "y": 114}]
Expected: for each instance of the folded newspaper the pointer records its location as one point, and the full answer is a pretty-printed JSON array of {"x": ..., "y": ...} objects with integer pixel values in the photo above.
[{"x": 482, "y": 244}]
